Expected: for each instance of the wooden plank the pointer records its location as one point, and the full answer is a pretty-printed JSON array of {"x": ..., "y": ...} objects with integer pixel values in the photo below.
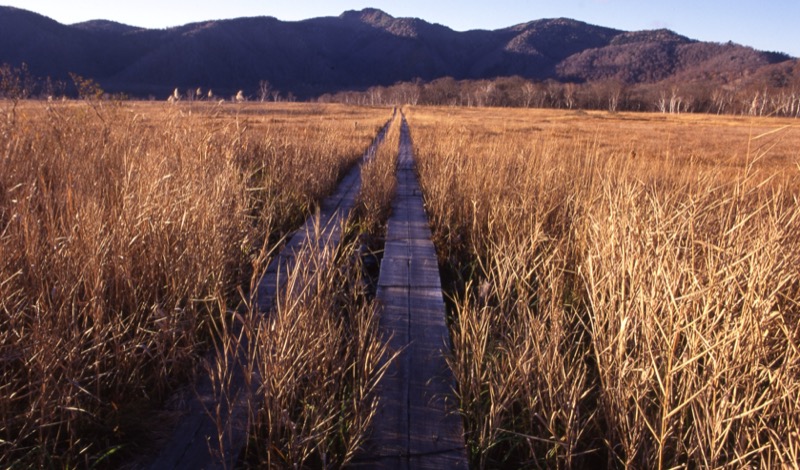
[
  {"x": 407, "y": 271},
  {"x": 394, "y": 272},
  {"x": 398, "y": 231},
  {"x": 414, "y": 248}
]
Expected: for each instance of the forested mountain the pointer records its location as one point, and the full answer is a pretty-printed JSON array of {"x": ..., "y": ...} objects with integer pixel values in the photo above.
[{"x": 355, "y": 51}]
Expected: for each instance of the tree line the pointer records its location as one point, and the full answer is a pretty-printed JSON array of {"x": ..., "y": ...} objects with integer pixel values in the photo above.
[
  {"x": 763, "y": 97},
  {"x": 770, "y": 94},
  {"x": 18, "y": 83}
]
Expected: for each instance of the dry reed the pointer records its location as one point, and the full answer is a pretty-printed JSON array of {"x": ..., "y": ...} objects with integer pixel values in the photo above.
[
  {"x": 619, "y": 301},
  {"x": 378, "y": 184},
  {"x": 320, "y": 354},
  {"x": 124, "y": 233}
]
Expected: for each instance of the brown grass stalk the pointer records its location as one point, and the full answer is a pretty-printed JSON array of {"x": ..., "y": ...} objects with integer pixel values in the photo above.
[{"x": 320, "y": 356}]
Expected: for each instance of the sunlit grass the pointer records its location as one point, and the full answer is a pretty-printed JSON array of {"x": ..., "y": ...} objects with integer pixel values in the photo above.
[
  {"x": 625, "y": 287},
  {"x": 125, "y": 230}
]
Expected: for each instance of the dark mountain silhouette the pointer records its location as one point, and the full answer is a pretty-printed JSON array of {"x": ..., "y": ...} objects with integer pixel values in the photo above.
[
  {"x": 354, "y": 51},
  {"x": 650, "y": 56}
]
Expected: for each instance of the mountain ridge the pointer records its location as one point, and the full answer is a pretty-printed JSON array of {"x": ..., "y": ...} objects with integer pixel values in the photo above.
[{"x": 354, "y": 51}]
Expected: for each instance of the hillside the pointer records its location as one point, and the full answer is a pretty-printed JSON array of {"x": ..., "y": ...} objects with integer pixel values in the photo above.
[{"x": 354, "y": 51}]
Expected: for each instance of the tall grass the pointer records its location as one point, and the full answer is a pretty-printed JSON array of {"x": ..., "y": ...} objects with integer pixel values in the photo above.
[
  {"x": 296, "y": 161},
  {"x": 124, "y": 233},
  {"x": 617, "y": 304},
  {"x": 694, "y": 324},
  {"x": 378, "y": 184},
  {"x": 320, "y": 353}
]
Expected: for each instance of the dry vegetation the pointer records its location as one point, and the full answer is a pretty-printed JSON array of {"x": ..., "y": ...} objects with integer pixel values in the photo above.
[
  {"x": 320, "y": 352},
  {"x": 625, "y": 286},
  {"x": 378, "y": 184},
  {"x": 125, "y": 233}
]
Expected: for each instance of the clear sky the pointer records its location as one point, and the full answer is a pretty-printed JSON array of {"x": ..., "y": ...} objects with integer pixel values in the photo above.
[{"x": 764, "y": 24}]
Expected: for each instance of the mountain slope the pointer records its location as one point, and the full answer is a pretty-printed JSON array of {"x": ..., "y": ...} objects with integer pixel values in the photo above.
[
  {"x": 650, "y": 56},
  {"x": 355, "y": 50}
]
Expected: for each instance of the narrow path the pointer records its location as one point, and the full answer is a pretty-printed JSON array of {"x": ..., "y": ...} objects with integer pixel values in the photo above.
[
  {"x": 417, "y": 425},
  {"x": 195, "y": 442}
]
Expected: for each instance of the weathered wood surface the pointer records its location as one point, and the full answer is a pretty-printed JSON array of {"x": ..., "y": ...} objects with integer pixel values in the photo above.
[
  {"x": 195, "y": 443},
  {"x": 417, "y": 425}
]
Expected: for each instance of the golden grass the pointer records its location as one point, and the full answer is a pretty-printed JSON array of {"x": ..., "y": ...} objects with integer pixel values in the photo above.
[
  {"x": 378, "y": 184},
  {"x": 124, "y": 233},
  {"x": 320, "y": 352},
  {"x": 625, "y": 286}
]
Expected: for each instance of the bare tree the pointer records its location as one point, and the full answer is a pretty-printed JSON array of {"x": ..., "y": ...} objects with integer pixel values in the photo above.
[
  {"x": 661, "y": 104},
  {"x": 51, "y": 89},
  {"x": 484, "y": 95},
  {"x": 375, "y": 96},
  {"x": 675, "y": 101},
  {"x": 16, "y": 84},
  {"x": 721, "y": 99},
  {"x": 569, "y": 95},
  {"x": 613, "y": 91},
  {"x": 528, "y": 93},
  {"x": 263, "y": 91},
  {"x": 413, "y": 91}
]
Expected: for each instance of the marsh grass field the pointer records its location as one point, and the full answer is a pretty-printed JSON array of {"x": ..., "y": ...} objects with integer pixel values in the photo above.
[
  {"x": 128, "y": 234},
  {"x": 623, "y": 288}
]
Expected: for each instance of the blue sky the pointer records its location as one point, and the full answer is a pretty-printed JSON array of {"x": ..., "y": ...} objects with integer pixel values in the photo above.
[{"x": 764, "y": 24}]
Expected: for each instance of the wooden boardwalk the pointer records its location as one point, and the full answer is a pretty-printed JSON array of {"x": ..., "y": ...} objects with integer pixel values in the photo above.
[
  {"x": 195, "y": 442},
  {"x": 417, "y": 426}
]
